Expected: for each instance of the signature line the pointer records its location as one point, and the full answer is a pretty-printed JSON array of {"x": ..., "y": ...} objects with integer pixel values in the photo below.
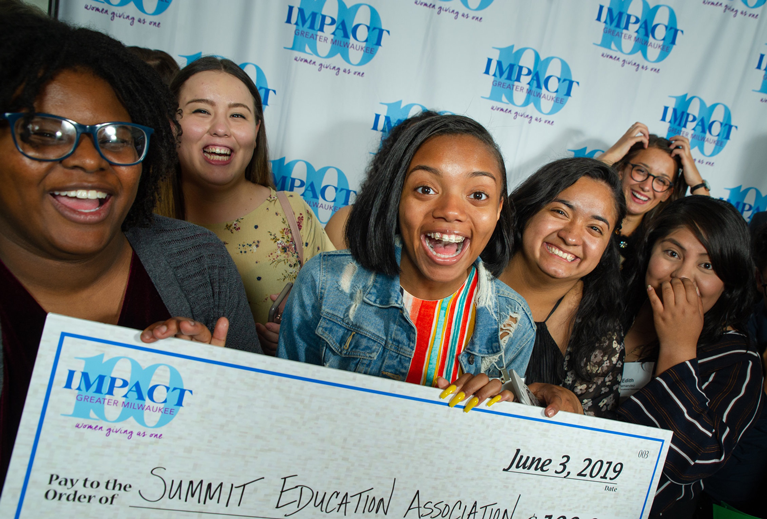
[{"x": 197, "y": 512}]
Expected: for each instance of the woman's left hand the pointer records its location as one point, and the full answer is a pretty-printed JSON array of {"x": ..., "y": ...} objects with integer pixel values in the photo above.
[
  {"x": 681, "y": 149},
  {"x": 556, "y": 398},
  {"x": 187, "y": 329},
  {"x": 477, "y": 388}
]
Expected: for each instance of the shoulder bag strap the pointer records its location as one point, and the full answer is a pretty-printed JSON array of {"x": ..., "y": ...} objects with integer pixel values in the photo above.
[{"x": 288, "y": 211}]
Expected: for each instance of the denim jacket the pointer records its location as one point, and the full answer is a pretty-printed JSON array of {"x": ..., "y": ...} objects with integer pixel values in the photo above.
[{"x": 343, "y": 316}]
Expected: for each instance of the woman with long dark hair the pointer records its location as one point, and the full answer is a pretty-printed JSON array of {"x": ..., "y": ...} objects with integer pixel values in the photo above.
[
  {"x": 566, "y": 266},
  {"x": 411, "y": 299},
  {"x": 690, "y": 296}
]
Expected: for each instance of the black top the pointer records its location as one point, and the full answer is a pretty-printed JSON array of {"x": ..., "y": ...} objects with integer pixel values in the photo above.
[{"x": 546, "y": 364}]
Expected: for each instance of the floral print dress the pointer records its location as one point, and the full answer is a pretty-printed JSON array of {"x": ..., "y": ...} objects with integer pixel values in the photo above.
[{"x": 263, "y": 249}]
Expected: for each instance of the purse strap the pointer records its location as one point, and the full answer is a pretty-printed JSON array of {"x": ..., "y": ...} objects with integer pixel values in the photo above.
[{"x": 296, "y": 235}]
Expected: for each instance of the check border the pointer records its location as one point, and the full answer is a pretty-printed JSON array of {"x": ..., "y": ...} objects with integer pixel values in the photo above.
[{"x": 65, "y": 335}]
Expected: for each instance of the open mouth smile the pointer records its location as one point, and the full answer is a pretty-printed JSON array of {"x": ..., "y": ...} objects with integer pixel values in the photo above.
[
  {"x": 217, "y": 154},
  {"x": 556, "y": 251},
  {"x": 639, "y": 197},
  {"x": 444, "y": 246},
  {"x": 82, "y": 200}
]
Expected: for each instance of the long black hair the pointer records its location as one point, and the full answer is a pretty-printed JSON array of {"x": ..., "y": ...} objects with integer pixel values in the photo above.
[
  {"x": 600, "y": 311},
  {"x": 35, "y": 49},
  {"x": 373, "y": 222},
  {"x": 722, "y": 231}
]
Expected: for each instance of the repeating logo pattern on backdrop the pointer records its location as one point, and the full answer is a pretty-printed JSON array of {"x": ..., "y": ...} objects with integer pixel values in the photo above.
[
  {"x": 761, "y": 66},
  {"x": 338, "y": 35},
  {"x": 261, "y": 83},
  {"x": 523, "y": 72},
  {"x": 753, "y": 4},
  {"x": 586, "y": 152},
  {"x": 325, "y": 190},
  {"x": 742, "y": 199},
  {"x": 396, "y": 112},
  {"x": 478, "y": 5},
  {"x": 642, "y": 33},
  {"x": 97, "y": 389},
  {"x": 692, "y": 117},
  {"x": 160, "y": 7}
]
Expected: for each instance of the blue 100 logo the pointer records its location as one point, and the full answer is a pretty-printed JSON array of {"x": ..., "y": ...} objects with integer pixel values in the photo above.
[
  {"x": 261, "y": 82},
  {"x": 644, "y": 31},
  {"x": 325, "y": 190},
  {"x": 339, "y": 35},
  {"x": 396, "y": 112},
  {"x": 738, "y": 196},
  {"x": 534, "y": 82},
  {"x": 160, "y": 7},
  {"x": 702, "y": 122},
  {"x": 98, "y": 390}
]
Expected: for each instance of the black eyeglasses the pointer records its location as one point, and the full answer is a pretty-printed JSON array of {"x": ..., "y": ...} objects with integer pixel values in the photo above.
[
  {"x": 51, "y": 138},
  {"x": 640, "y": 174}
]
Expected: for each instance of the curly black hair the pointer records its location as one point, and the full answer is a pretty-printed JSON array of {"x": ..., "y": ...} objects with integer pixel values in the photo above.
[{"x": 34, "y": 49}]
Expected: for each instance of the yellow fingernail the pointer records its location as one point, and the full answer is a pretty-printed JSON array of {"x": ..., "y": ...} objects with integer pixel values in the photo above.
[
  {"x": 449, "y": 391},
  {"x": 471, "y": 404},
  {"x": 495, "y": 400},
  {"x": 457, "y": 399}
]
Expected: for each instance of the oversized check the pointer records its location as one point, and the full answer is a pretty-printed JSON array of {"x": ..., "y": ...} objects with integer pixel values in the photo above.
[{"x": 113, "y": 427}]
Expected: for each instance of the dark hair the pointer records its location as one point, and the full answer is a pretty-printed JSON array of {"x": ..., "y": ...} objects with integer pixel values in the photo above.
[
  {"x": 35, "y": 49},
  {"x": 760, "y": 248},
  {"x": 159, "y": 60},
  {"x": 600, "y": 311},
  {"x": 722, "y": 231},
  {"x": 373, "y": 222},
  {"x": 679, "y": 185},
  {"x": 258, "y": 169}
]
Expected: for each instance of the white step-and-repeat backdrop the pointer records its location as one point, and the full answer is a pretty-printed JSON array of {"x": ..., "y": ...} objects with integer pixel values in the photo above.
[{"x": 549, "y": 79}]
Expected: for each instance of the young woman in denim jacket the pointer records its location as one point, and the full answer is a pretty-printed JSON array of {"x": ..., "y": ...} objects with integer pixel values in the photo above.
[{"x": 427, "y": 211}]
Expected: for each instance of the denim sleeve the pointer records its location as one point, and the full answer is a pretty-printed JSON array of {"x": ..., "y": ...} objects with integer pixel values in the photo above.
[
  {"x": 298, "y": 340},
  {"x": 519, "y": 345}
]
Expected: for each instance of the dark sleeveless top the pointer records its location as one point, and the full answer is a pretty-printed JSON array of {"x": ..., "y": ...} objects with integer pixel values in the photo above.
[
  {"x": 546, "y": 364},
  {"x": 23, "y": 319}
]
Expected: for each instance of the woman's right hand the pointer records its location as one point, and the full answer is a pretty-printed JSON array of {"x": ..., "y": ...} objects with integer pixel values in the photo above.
[
  {"x": 477, "y": 388},
  {"x": 187, "y": 329},
  {"x": 637, "y": 133},
  {"x": 678, "y": 319}
]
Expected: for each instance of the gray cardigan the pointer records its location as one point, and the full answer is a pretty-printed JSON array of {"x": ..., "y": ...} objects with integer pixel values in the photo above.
[{"x": 195, "y": 277}]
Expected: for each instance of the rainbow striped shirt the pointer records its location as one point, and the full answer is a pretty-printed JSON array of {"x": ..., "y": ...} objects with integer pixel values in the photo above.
[{"x": 443, "y": 328}]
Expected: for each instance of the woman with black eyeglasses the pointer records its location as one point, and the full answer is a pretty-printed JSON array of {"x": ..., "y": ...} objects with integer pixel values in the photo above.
[
  {"x": 86, "y": 132},
  {"x": 649, "y": 167}
]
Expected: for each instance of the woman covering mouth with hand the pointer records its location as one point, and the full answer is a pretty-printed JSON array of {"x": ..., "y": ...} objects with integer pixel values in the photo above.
[
  {"x": 86, "y": 131},
  {"x": 411, "y": 299}
]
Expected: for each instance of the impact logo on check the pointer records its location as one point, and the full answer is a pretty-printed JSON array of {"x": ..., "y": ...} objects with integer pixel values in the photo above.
[{"x": 103, "y": 396}]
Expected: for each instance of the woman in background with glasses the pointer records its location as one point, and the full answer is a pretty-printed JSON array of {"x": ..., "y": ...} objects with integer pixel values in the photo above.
[
  {"x": 86, "y": 130},
  {"x": 649, "y": 167}
]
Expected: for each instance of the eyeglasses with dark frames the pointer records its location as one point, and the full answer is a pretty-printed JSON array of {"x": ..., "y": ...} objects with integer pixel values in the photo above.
[
  {"x": 640, "y": 174},
  {"x": 51, "y": 138}
]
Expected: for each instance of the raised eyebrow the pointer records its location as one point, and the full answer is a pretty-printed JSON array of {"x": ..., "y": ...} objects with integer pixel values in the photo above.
[
  {"x": 203, "y": 101},
  {"x": 483, "y": 174}
]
